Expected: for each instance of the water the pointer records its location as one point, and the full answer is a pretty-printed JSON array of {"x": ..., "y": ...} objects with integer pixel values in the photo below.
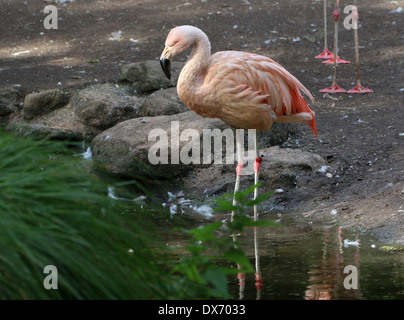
[{"x": 304, "y": 261}]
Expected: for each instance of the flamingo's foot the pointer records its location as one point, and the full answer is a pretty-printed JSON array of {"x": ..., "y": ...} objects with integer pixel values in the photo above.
[
  {"x": 338, "y": 60},
  {"x": 326, "y": 54},
  {"x": 334, "y": 88},
  {"x": 359, "y": 89}
]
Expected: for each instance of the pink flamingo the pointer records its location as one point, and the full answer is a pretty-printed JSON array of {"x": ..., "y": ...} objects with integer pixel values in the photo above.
[{"x": 245, "y": 90}]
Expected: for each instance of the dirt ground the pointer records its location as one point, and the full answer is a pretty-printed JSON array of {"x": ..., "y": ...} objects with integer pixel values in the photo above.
[{"x": 360, "y": 136}]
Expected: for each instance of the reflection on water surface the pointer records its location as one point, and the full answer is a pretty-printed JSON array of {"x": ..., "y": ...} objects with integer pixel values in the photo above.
[{"x": 302, "y": 261}]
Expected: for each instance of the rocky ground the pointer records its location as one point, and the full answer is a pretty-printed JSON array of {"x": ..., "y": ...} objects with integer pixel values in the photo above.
[{"x": 97, "y": 78}]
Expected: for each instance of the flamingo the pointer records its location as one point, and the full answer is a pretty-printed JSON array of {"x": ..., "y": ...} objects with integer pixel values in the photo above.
[{"x": 245, "y": 90}]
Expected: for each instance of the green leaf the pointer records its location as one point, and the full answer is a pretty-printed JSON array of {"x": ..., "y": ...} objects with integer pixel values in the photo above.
[
  {"x": 238, "y": 256},
  {"x": 196, "y": 249},
  {"x": 190, "y": 270},
  {"x": 217, "y": 277},
  {"x": 225, "y": 205},
  {"x": 260, "y": 198},
  {"x": 205, "y": 233}
]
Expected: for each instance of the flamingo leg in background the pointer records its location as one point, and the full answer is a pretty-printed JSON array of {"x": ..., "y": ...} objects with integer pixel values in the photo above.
[
  {"x": 334, "y": 88},
  {"x": 358, "y": 87},
  {"x": 326, "y": 54}
]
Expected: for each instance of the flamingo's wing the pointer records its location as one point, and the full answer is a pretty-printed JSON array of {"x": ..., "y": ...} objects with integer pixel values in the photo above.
[{"x": 244, "y": 80}]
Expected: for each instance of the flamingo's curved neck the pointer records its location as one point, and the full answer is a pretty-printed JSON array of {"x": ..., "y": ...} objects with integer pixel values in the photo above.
[{"x": 194, "y": 70}]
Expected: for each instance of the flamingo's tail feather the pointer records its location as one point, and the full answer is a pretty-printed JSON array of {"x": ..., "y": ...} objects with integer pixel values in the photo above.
[{"x": 300, "y": 106}]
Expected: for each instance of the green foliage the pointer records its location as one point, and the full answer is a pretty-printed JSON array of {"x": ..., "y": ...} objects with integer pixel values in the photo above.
[{"x": 55, "y": 211}]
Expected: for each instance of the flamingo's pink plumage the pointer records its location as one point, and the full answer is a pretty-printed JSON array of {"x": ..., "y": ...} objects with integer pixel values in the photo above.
[{"x": 245, "y": 90}]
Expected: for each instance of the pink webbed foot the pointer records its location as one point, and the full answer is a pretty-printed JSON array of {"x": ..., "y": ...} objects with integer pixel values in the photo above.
[
  {"x": 359, "y": 89},
  {"x": 326, "y": 54},
  {"x": 331, "y": 60},
  {"x": 334, "y": 88}
]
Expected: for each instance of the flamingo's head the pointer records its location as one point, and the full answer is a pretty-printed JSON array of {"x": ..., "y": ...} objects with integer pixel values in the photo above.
[{"x": 178, "y": 40}]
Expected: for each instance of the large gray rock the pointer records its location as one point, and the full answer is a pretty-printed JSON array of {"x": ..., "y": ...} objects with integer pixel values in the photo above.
[
  {"x": 280, "y": 168},
  {"x": 147, "y": 76},
  {"x": 8, "y": 99},
  {"x": 129, "y": 148},
  {"x": 162, "y": 102},
  {"x": 284, "y": 162},
  {"x": 40, "y": 103},
  {"x": 102, "y": 106},
  {"x": 279, "y": 134}
]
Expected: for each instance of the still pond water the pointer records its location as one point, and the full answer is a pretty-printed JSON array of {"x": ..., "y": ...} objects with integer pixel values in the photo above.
[{"x": 304, "y": 261}]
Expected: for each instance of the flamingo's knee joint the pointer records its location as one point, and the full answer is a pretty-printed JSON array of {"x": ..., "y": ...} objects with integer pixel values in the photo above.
[
  {"x": 239, "y": 168},
  {"x": 257, "y": 164}
]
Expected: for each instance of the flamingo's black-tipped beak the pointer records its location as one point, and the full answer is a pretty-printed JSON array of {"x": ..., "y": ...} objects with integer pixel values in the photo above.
[
  {"x": 166, "y": 66},
  {"x": 165, "y": 62}
]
